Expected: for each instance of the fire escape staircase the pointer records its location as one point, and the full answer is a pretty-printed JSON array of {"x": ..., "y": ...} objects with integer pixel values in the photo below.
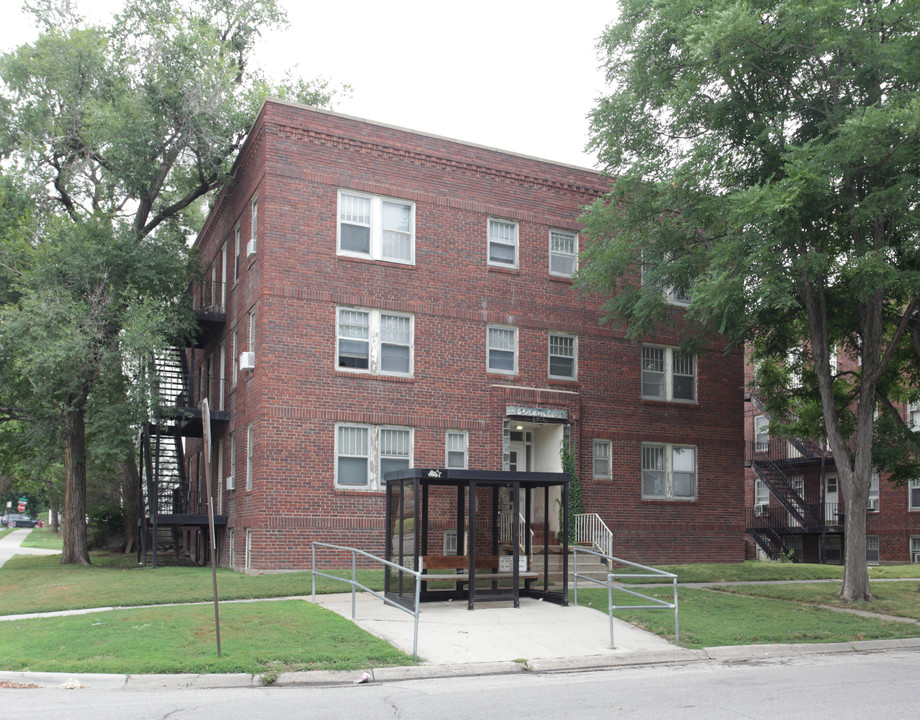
[
  {"x": 768, "y": 525},
  {"x": 167, "y": 501}
]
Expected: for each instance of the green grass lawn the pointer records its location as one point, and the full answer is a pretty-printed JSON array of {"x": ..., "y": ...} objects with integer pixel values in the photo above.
[
  {"x": 43, "y": 538},
  {"x": 891, "y": 598},
  {"x": 711, "y": 618},
  {"x": 257, "y": 638},
  {"x": 268, "y": 638},
  {"x": 116, "y": 580}
]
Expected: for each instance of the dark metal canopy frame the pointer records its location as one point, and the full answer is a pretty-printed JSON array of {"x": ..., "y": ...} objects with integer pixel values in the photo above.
[{"x": 420, "y": 504}]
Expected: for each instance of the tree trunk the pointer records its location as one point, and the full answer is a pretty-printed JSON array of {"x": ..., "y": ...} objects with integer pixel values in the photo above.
[
  {"x": 855, "y": 571},
  {"x": 75, "y": 551},
  {"x": 130, "y": 494}
]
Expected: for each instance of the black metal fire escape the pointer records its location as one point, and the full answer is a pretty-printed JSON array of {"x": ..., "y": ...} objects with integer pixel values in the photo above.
[
  {"x": 167, "y": 502},
  {"x": 797, "y": 512}
]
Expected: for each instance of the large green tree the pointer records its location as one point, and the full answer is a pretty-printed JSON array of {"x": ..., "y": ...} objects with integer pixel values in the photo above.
[
  {"x": 765, "y": 158},
  {"x": 121, "y": 130}
]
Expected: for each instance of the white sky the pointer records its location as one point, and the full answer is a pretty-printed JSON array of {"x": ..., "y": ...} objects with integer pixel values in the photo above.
[{"x": 518, "y": 75}]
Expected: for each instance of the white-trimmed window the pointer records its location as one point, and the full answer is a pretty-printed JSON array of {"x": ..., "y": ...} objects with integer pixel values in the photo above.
[
  {"x": 376, "y": 227},
  {"x": 236, "y": 252},
  {"x": 913, "y": 490},
  {"x": 563, "y": 253},
  {"x": 761, "y": 433},
  {"x": 363, "y": 453},
  {"x": 668, "y": 472},
  {"x": 250, "y": 449},
  {"x": 219, "y": 471},
  {"x": 872, "y": 550},
  {"x": 503, "y": 243},
  {"x": 253, "y": 222},
  {"x": 668, "y": 374},
  {"x": 913, "y": 416},
  {"x": 671, "y": 295},
  {"x": 375, "y": 341},
  {"x": 501, "y": 349},
  {"x": 600, "y": 455},
  {"x": 563, "y": 356},
  {"x": 456, "y": 447},
  {"x": 233, "y": 355},
  {"x": 915, "y": 549},
  {"x": 233, "y": 456},
  {"x": 874, "y": 492},
  {"x": 248, "y": 560},
  {"x": 761, "y": 493}
]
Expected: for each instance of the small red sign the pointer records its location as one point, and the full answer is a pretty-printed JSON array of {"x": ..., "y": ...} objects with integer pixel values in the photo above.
[{"x": 22, "y": 508}]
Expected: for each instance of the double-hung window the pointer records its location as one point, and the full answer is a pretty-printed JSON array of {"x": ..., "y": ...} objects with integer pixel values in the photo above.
[
  {"x": 375, "y": 341},
  {"x": 668, "y": 374},
  {"x": 668, "y": 472},
  {"x": 563, "y": 356},
  {"x": 377, "y": 228},
  {"x": 455, "y": 449},
  {"x": 913, "y": 416},
  {"x": 501, "y": 344},
  {"x": 364, "y": 453},
  {"x": 250, "y": 451},
  {"x": 913, "y": 489},
  {"x": 601, "y": 458},
  {"x": 503, "y": 243},
  {"x": 563, "y": 253},
  {"x": 236, "y": 252}
]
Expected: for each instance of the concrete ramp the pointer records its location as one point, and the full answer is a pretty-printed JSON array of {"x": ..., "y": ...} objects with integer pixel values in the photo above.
[{"x": 494, "y": 632}]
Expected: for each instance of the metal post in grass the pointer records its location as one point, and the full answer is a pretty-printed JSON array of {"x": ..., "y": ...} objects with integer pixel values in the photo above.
[
  {"x": 313, "y": 572},
  {"x": 354, "y": 579},
  {"x": 676, "y": 617},
  {"x": 206, "y": 436}
]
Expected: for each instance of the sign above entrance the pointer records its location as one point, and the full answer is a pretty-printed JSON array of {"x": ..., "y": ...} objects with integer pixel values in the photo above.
[{"x": 542, "y": 413}]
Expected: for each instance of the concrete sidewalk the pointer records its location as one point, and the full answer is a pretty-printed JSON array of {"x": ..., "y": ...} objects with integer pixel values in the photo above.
[
  {"x": 497, "y": 632},
  {"x": 11, "y": 544}
]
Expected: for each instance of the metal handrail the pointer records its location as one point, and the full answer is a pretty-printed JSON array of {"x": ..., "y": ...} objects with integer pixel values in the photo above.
[
  {"x": 590, "y": 528},
  {"x": 355, "y": 584},
  {"x": 651, "y": 572},
  {"x": 506, "y": 529}
]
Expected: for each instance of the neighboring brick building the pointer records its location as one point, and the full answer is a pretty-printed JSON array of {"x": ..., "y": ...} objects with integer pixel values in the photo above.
[
  {"x": 794, "y": 504},
  {"x": 406, "y": 300}
]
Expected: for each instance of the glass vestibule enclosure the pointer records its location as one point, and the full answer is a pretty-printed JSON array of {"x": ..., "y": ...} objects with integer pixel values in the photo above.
[{"x": 470, "y": 533}]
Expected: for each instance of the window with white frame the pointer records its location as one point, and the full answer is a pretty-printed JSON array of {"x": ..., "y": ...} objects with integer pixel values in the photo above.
[
  {"x": 563, "y": 253},
  {"x": 761, "y": 493},
  {"x": 231, "y": 539},
  {"x": 376, "y": 341},
  {"x": 501, "y": 349},
  {"x": 233, "y": 457},
  {"x": 913, "y": 489},
  {"x": 248, "y": 560},
  {"x": 250, "y": 449},
  {"x": 220, "y": 476},
  {"x": 376, "y": 227},
  {"x": 872, "y": 550},
  {"x": 563, "y": 356},
  {"x": 236, "y": 252},
  {"x": 913, "y": 415},
  {"x": 874, "y": 492},
  {"x": 668, "y": 374},
  {"x": 761, "y": 433},
  {"x": 503, "y": 243},
  {"x": 915, "y": 549},
  {"x": 456, "y": 447},
  {"x": 601, "y": 458},
  {"x": 668, "y": 472},
  {"x": 672, "y": 295},
  {"x": 254, "y": 220},
  {"x": 365, "y": 452},
  {"x": 233, "y": 355}
]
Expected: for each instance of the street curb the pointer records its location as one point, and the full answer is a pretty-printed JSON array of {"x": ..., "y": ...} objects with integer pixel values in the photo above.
[{"x": 317, "y": 678}]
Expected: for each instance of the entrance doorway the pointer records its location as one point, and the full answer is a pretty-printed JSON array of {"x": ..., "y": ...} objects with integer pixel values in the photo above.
[{"x": 536, "y": 447}]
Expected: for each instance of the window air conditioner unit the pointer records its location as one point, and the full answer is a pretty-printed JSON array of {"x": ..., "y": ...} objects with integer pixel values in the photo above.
[
  {"x": 251, "y": 248},
  {"x": 872, "y": 506},
  {"x": 247, "y": 360},
  {"x": 760, "y": 510},
  {"x": 231, "y": 482}
]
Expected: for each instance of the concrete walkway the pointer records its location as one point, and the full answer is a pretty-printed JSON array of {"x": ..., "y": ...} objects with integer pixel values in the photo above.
[{"x": 11, "y": 544}]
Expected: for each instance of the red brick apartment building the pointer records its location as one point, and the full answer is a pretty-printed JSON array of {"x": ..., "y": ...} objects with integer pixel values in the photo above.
[
  {"x": 794, "y": 505},
  {"x": 377, "y": 298}
]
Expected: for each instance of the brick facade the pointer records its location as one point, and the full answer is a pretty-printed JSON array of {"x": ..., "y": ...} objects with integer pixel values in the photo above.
[{"x": 295, "y": 162}]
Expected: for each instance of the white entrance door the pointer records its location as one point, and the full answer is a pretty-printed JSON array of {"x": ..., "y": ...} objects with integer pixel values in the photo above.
[{"x": 831, "y": 499}]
